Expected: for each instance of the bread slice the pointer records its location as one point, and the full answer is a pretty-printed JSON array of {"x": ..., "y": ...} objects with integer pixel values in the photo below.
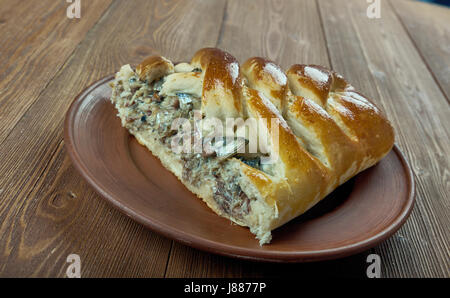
[{"x": 314, "y": 132}]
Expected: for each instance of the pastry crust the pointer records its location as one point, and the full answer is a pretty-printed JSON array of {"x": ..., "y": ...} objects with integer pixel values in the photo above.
[{"x": 326, "y": 132}]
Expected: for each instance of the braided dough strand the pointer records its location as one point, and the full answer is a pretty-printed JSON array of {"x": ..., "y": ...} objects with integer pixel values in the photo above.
[{"x": 326, "y": 131}]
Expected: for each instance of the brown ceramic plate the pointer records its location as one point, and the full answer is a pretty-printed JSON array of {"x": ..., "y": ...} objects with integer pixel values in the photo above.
[{"x": 356, "y": 216}]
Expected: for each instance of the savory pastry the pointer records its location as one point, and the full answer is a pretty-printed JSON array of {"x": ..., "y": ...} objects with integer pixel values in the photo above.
[{"x": 324, "y": 132}]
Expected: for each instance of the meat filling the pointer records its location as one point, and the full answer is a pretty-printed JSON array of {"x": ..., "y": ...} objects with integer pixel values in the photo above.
[{"x": 146, "y": 109}]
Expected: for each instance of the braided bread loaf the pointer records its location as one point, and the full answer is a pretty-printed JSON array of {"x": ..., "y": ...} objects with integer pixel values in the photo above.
[{"x": 326, "y": 131}]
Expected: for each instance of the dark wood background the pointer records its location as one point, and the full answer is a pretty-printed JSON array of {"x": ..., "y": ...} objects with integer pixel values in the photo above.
[{"x": 47, "y": 212}]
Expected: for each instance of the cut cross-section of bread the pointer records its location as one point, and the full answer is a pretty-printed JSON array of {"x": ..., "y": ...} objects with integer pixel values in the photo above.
[{"x": 318, "y": 132}]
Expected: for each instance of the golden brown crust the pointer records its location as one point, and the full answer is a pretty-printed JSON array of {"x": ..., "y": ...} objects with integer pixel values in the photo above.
[
  {"x": 366, "y": 122},
  {"x": 314, "y": 79},
  {"x": 222, "y": 83},
  {"x": 325, "y": 132},
  {"x": 306, "y": 177},
  {"x": 339, "y": 132},
  {"x": 154, "y": 67},
  {"x": 267, "y": 77},
  {"x": 337, "y": 150}
]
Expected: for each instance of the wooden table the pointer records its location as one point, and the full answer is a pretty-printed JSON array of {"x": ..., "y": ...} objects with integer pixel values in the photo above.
[{"x": 47, "y": 211}]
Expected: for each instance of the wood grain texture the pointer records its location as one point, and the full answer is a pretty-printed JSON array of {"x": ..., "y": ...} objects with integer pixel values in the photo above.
[
  {"x": 287, "y": 32},
  {"x": 33, "y": 47},
  {"x": 33, "y": 151},
  {"x": 429, "y": 28},
  {"x": 386, "y": 65},
  {"x": 269, "y": 29},
  {"x": 57, "y": 221},
  {"x": 47, "y": 211}
]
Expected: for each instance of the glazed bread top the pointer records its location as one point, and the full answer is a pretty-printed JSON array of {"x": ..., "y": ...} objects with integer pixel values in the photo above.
[{"x": 327, "y": 131}]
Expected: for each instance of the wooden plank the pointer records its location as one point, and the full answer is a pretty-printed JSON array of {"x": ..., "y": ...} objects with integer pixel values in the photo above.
[
  {"x": 47, "y": 211},
  {"x": 429, "y": 27},
  {"x": 287, "y": 32},
  {"x": 38, "y": 185},
  {"x": 378, "y": 57},
  {"x": 37, "y": 38},
  {"x": 56, "y": 220}
]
